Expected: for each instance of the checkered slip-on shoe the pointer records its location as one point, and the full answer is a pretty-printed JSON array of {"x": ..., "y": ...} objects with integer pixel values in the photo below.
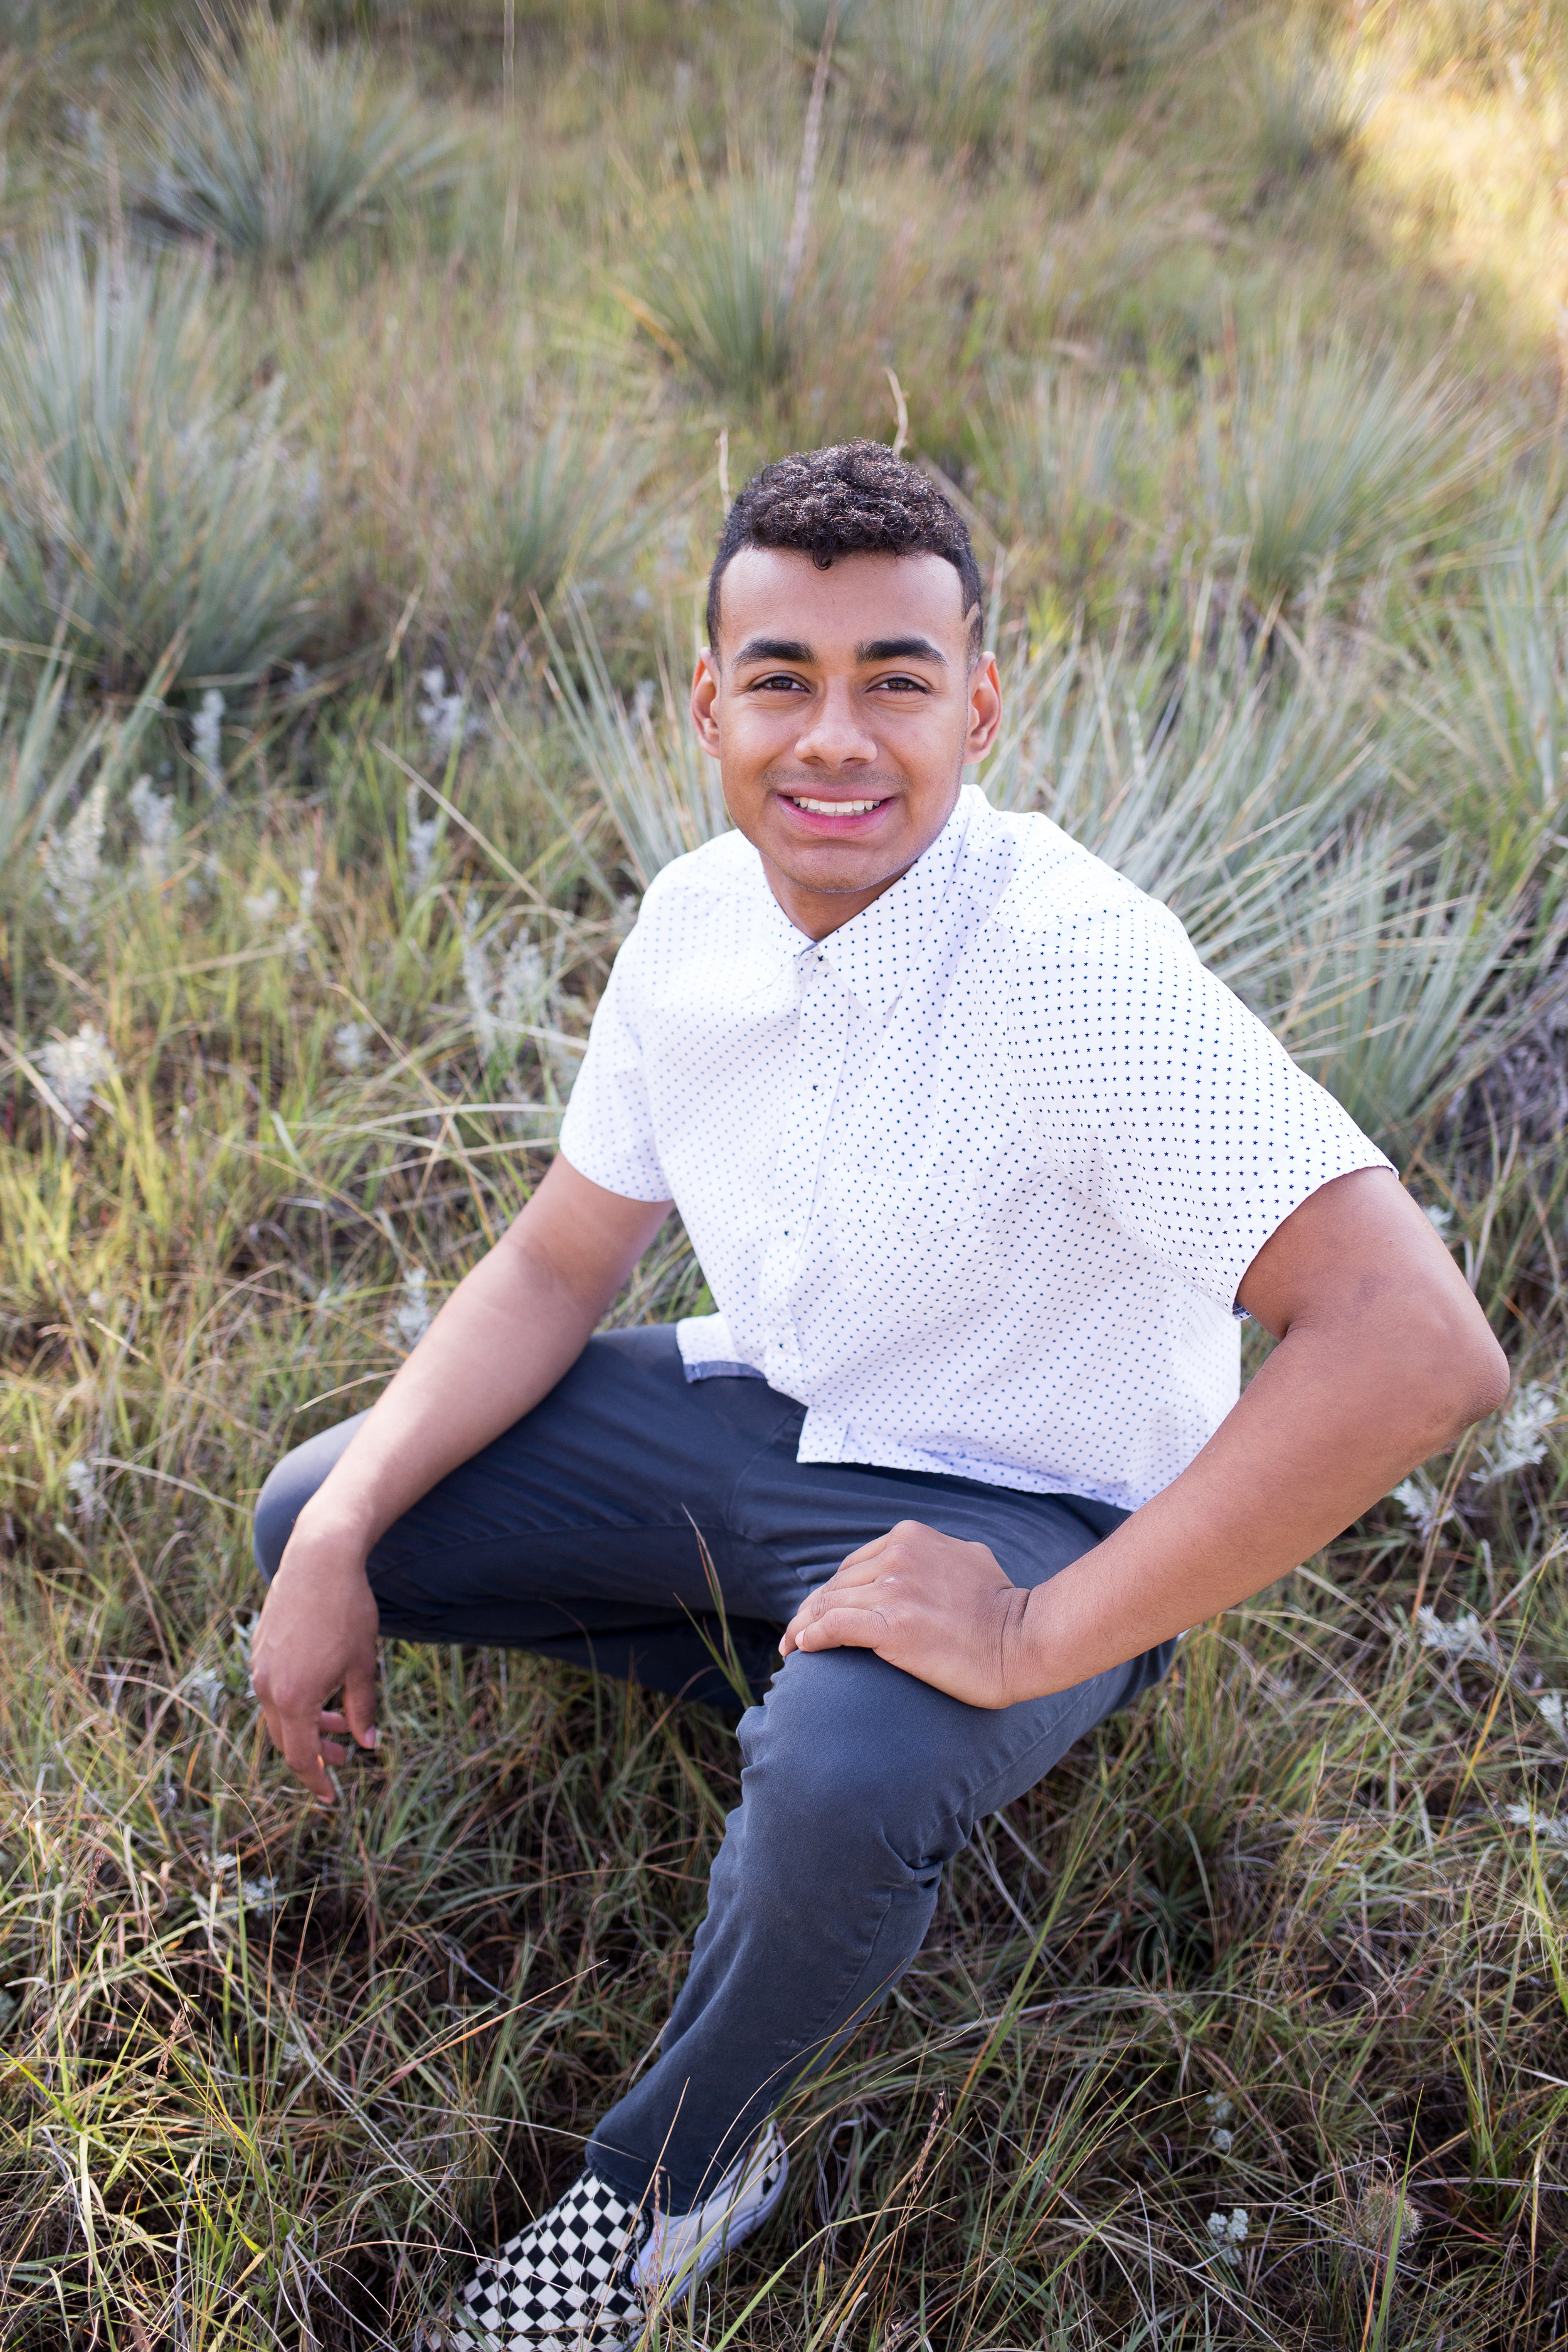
[{"x": 587, "y": 2275}]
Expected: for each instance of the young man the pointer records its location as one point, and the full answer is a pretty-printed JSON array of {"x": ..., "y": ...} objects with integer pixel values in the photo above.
[{"x": 980, "y": 1165}]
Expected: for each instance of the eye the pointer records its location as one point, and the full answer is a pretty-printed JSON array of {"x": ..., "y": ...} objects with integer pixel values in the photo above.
[
  {"x": 777, "y": 682},
  {"x": 900, "y": 685}
]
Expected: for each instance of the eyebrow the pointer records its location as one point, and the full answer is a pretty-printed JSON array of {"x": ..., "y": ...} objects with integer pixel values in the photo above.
[
  {"x": 784, "y": 649},
  {"x": 875, "y": 649},
  {"x": 881, "y": 649}
]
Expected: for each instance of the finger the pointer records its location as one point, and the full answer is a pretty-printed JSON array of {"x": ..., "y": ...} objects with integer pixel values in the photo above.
[
  {"x": 865, "y": 1552},
  {"x": 858, "y": 1599},
  {"x": 302, "y": 1745},
  {"x": 844, "y": 1629},
  {"x": 359, "y": 1702}
]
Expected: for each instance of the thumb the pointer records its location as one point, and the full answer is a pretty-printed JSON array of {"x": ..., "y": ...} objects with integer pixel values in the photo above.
[{"x": 359, "y": 1704}]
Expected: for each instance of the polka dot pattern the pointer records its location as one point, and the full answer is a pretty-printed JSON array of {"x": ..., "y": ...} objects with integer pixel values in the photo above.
[{"x": 975, "y": 1179}]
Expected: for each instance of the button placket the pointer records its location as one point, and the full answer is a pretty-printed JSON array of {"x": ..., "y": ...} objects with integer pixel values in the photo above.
[{"x": 819, "y": 1056}]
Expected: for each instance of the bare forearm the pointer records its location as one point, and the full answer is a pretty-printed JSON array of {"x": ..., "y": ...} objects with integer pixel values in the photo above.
[
  {"x": 501, "y": 1341},
  {"x": 507, "y": 1333},
  {"x": 1325, "y": 1429}
]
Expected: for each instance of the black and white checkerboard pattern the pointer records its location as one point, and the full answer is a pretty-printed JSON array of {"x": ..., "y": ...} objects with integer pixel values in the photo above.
[
  {"x": 569, "y": 2282},
  {"x": 563, "y": 2283}
]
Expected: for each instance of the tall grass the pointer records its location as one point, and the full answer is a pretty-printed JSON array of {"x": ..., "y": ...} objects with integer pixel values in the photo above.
[
  {"x": 147, "y": 492},
  {"x": 1249, "y": 2027},
  {"x": 952, "y": 69},
  {"x": 273, "y": 150},
  {"x": 712, "y": 290},
  {"x": 1333, "y": 455}
]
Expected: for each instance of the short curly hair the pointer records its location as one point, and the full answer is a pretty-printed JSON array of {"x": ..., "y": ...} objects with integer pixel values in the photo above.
[{"x": 857, "y": 499}]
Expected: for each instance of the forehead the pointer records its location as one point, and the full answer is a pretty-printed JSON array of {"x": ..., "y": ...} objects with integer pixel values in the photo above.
[{"x": 778, "y": 592}]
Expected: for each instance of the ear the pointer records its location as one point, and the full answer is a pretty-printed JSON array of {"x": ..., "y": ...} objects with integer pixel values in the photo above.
[
  {"x": 984, "y": 709},
  {"x": 704, "y": 700}
]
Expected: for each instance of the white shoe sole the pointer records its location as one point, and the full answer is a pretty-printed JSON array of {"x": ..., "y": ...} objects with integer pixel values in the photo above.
[{"x": 680, "y": 2250}]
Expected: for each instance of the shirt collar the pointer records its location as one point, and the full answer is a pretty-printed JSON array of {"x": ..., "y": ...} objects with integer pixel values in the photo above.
[{"x": 877, "y": 952}]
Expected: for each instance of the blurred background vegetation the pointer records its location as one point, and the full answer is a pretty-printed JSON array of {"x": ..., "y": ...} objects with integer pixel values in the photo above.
[{"x": 372, "y": 378}]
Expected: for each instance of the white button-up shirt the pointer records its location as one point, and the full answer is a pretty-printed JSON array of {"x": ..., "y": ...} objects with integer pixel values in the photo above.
[{"x": 976, "y": 1178}]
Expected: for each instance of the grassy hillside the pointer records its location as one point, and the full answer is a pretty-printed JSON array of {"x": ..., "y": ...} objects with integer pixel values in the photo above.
[{"x": 372, "y": 380}]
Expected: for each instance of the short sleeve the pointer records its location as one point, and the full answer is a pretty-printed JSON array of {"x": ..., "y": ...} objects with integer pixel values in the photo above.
[
  {"x": 608, "y": 1132},
  {"x": 1185, "y": 1120}
]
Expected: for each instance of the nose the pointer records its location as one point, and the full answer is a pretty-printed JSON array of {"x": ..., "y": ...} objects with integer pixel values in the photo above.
[{"x": 835, "y": 736}]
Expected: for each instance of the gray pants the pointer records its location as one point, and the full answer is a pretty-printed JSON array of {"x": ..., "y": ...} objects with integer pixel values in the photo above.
[{"x": 576, "y": 1534}]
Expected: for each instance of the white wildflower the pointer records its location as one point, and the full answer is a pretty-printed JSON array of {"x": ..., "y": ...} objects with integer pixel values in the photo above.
[
  {"x": 1465, "y": 1638},
  {"x": 444, "y": 717},
  {"x": 205, "y": 1688},
  {"x": 1229, "y": 2231},
  {"x": 1519, "y": 1438},
  {"x": 348, "y": 1046},
  {"x": 1419, "y": 1499},
  {"x": 207, "y": 738},
  {"x": 261, "y": 906},
  {"x": 413, "y": 1316},
  {"x": 500, "y": 1005},
  {"x": 154, "y": 815},
  {"x": 260, "y": 1895},
  {"x": 1220, "y": 2112},
  {"x": 1439, "y": 1219},
  {"x": 298, "y": 937},
  {"x": 1550, "y": 1707},
  {"x": 81, "y": 1486},
  {"x": 300, "y": 679},
  {"x": 73, "y": 863},
  {"x": 76, "y": 1066},
  {"x": 1552, "y": 1829},
  {"x": 422, "y": 832}
]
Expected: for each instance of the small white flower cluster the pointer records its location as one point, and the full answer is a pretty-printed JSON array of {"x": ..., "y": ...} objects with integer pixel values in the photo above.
[
  {"x": 1550, "y": 1707},
  {"x": 412, "y": 1315},
  {"x": 205, "y": 1688},
  {"x": 1518, "y": 1441},
  {"x": 297, "y": 939},
  {"x": 348, "y": 1045},
  {"x": 1465, "y": 1638},
  {"x": 502, "y": 1003},
  {"x": 77, "y": 1066},
  {"x": 250, "y": 1894},
  {"x": 1222, "y": 2140},
  {"x": 422, "y": 837},
  {"x": 261, "y": 907},
  {"x": 1419, "y": 1499},
  {"x": 444, "y": 717},
  {"x": 73, "y": 864},
  {"x": 81, "y": 1486},
  {"x": 1552, "y": 1829},
  {"x": 154, "y": 815},
  {"x": 206, "y": 740},
  {"x": 1520, "y": 1437},
  {"x": 1228, "y": 2232}
]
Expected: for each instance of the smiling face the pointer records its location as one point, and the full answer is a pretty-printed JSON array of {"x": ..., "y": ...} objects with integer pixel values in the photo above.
[{"x": 842, "y": 708}]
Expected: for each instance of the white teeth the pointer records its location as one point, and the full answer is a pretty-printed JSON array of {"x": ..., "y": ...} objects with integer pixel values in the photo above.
[{"x": 834, "y": 808}]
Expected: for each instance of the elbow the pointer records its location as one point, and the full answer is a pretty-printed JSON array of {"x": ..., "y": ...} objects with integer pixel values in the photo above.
[{"x": 1474, "y": 1380}]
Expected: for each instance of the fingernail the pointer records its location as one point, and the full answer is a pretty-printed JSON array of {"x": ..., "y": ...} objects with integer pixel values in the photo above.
[{"x": 373, "y": 1737}]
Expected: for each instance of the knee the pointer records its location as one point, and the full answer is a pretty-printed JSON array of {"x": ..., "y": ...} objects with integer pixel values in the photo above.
[
  {"x": 288, "y": 1488},
  {"x": 278, "y": 1507},
  {"x": 831, "y": 1765}
]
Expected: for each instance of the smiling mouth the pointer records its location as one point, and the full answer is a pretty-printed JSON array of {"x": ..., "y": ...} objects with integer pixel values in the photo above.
[{"x": 832, "y": 808}]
